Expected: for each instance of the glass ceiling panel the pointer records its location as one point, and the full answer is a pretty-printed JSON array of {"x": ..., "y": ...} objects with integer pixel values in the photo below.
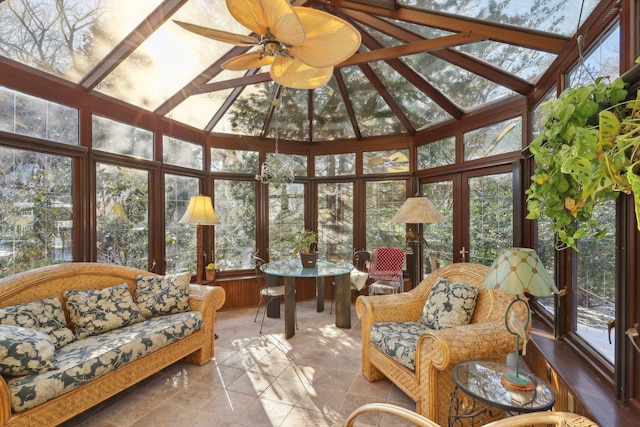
[
  {"x": 248, "y": 114},
  {"x": 554, "y": 16},
  {"x": 292, "y": 121},
  {"x": 372, "y": 113},
  {"x": 416, "y": 105},
  {"x": 70, "y": 43},
  {"x": 528, "y": 64},
  {"x": 461, "y": 86},
  {"x": 198, "y": 110},
  {"x": 171, "y": 57},
  {"x": 330, "y": 117}
]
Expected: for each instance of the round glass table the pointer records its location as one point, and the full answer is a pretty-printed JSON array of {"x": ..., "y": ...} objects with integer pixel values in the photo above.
[
  {"x": 482, "y": 382},
  {"x": 290, "y": 269}
]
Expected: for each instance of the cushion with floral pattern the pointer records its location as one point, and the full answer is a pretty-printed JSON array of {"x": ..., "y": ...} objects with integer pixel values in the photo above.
[
  {"x": 45, "y": 315},
  {"x": 160, "y": 295},
  {"x": 25, "y": 351},
  {"x": 94, "y": 311},
  {"x": 449, "y": 305}
]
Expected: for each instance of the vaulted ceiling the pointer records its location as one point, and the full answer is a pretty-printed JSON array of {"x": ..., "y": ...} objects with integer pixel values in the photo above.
[{"x": 420, "y": 62}]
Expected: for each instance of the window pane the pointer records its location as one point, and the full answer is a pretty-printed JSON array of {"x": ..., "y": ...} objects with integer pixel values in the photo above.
[
  {"x": 437, "y": 153},
  {"x": 36, "y": 212},
  {"x": 235, "y": 206},
  {"x": 384, "y": 198},
  {"x": 182, "y": 153},
  {"x": 335, "y": 221},
  {"x": 503, "y": 137},
  {"x": 223, "y": 160},
  {"x": 490, "y": 216},
  {"x": 27, "y": 115},
  {"x": 119, "y": 138},
  {"x": 180, "y": 239},
  {"x": 439, "y": 235},
  {"x": 388, "y": 161},
  {"x": 596, "y": 283},
  {"x": 335, "y": 164},
  {"x": 546, "y": 251},
  {"x": 604, "y": 60},
  {"x": 286, "y": 214},
  {"x": 122, "y": 212}
]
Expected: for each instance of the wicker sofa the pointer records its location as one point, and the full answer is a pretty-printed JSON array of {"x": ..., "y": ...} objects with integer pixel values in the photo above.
[
  {"x": 101, "y": 364},
  {"x": 437, "y": 352}
]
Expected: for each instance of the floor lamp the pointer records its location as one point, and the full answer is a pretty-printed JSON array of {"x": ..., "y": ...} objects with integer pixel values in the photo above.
[
  {"x": 200, "y": 212},
  {"x": 417, "y": 210}
]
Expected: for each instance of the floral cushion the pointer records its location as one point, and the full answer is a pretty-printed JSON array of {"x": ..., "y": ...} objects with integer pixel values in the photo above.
[
  {"x": 95, "y": 311},
  {"x": 159, "y": 295},
  {"x": 94, "y": 356},
  {"x": 45, "y": 315},
  {"x": 449, "y": 304},
  {"x": 398, "y": 340},
  {"x": 25, "y": 351}
]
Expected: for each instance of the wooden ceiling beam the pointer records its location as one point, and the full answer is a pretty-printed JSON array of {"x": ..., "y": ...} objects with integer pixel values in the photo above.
[
  {"x": 525, "y": 37},
  {"x": 476, "y": 66},
  {"x": 130, "y": 43}
]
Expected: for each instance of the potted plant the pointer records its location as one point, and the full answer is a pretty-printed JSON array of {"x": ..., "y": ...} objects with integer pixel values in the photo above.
[
  {"x": 302, "y": 242},
  {"x": 210, "y": 270},
  {"x": 580, "y": 161}
]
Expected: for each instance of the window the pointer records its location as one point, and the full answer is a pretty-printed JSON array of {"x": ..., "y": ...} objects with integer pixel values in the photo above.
[
  {"x": 335, "y": 221},
  {"x": 182, "y": 153},
  {"x": 180, "y": 239},
  {"x": 27, "y": 115},
  {"x": 122, "y": 212},
  {"x": 235, "y": 239},
  {"x": 503, "y": 137},
  {"x": 388, "y": 161},
  {"x": 120, "y": 138},
  {"x": 223, "y": 160},
  {"x": 335, "y": 164},
  {"x": 36, "y": 212},
  {"x": 439, "y": 235},
  {"x": 286, "y": 213},
  {"x": 383, "y": 199},
  {"x": 437, "y": 153}
]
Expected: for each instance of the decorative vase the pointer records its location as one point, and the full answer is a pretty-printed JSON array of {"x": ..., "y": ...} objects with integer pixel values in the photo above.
[
  {"x": 309, "y": 260},
  {"x": 210, "y": 274}
]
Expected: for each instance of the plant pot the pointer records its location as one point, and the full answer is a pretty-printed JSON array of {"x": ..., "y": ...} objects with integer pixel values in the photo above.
[
  {"x": 309, "y": 260},
  {"x": 210, "y": 274}
]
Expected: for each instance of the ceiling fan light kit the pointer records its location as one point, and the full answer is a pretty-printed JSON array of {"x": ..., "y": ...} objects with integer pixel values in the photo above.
[{"x": 301, "y": 44}]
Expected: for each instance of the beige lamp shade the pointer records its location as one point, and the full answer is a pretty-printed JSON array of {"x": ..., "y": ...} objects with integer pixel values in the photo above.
[
  {"x": 518, "y": 270},
  {"x": 200, "y": 212},
  {"x": 418, "y": 210}
]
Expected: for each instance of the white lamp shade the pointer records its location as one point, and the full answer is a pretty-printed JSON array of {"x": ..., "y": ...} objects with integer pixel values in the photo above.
[
  {"x": 200, "y": 212},
  {"x": 418, "y": 210},
  {"x": 518, "y": 270}
]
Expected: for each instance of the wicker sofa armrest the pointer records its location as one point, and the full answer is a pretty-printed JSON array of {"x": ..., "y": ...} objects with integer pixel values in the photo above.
[{"x": 446, "y": 348}]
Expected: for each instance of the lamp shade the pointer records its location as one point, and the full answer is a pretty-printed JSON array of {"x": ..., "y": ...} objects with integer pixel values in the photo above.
[
  {"x": 200, "y": 212},
  {"x": 418, "y": 210},
  {"x": 518, "y": 270}
]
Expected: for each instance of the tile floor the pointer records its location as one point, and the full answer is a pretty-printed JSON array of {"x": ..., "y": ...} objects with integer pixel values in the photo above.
[{"x": 255, "y": 380}]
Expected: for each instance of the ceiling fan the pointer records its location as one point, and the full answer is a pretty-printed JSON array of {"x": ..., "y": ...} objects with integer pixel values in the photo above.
[{"x": 301, "y": 44}]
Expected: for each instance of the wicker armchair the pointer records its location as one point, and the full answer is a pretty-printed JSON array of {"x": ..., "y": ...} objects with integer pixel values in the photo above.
[
  {"x": 437, "y": 351},
  {"x": 550, "y": 418}
]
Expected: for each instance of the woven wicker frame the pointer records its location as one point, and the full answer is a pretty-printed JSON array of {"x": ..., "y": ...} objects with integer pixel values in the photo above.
[
  {"x": 198, "y": 348},
  {"x": 438, "y": 351}
]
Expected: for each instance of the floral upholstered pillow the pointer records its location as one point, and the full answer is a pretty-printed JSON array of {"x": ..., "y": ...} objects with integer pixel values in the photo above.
[
  {"x": 449, "y": 304},
  {"x": 45, "y": 315},
  {"x": 94, "y": 311},
  {"x": 159, "y": 295},
  {"x": 25, "y": 351}
]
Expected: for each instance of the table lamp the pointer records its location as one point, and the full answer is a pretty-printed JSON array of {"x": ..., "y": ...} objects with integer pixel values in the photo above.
[
  {"x": 417, "y": 210},
  {"x": 515, "y": 271},
  {"x": 200, "y": 212}
]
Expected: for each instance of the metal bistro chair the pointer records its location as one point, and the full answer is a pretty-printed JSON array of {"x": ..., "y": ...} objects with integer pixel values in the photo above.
[
  {"x": 267, "y": 292},
  {"x": 386, "y": 269},
  {"x": 359, "y": 274}
]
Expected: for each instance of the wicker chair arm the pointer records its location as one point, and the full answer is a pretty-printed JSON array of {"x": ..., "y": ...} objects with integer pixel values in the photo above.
[
  {"x": 447, "y": 347},
  {"x": 402, "y": 307},
  {"x": 5, "y": 402},
  {"x": 201, "y": 296},
  {"x": 388, "y": 408}
]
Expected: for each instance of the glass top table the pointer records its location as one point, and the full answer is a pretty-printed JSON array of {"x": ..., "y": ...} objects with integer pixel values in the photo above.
[
  {"x": 291, "y": 269},
  {"x": 482, "y": 381}
]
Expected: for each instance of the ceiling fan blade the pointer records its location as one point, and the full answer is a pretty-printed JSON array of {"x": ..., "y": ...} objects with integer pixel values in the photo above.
[
  {"x": 247, "y": 61},
  {"x": 296, "y": 74},
  {"x": 330, "y": 40},
  {"x": 276, "y": 15},
  {"x": 222, "y": 36}
]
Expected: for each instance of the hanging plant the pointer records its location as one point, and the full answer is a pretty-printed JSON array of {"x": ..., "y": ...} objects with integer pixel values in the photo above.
[{"x": 580, "y": 161}]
